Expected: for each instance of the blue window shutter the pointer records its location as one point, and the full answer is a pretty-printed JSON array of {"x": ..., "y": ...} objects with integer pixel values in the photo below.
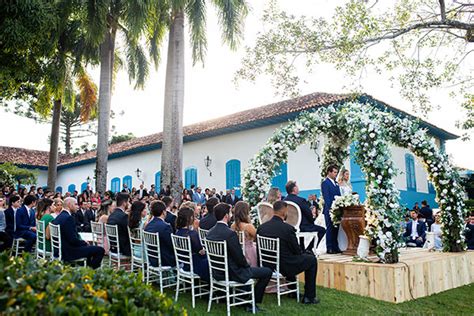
[
  {"x": 59, "y": 189},
  {"x": 281, "y": 178},
  {"x": 83, "y": 186},
  {"x": 128, "y": 181},
  {"x": 71, "y": 188},
  {"x": 431, "y": 188},
  {"x": 410, "y": 172},
  {"x": 232, "y": 175},
  {"x": 357, "y": 175},
  {"x": 157, "y": 181},
  {"x": 115, "y": 185},
  {"x": 190, "y": 177}
]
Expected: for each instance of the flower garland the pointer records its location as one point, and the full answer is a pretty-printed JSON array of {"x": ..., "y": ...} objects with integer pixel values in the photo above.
[
  {"x": 372, "y": 129},
  {"x": 339, "y": 203}
]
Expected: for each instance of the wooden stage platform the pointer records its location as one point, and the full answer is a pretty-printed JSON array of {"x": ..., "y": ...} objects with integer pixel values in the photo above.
[{"x": 419, "y": 273}]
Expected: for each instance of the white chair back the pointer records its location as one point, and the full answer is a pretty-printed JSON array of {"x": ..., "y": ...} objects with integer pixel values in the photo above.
[
  {"x": 294, "y": 215},
  {"x": 112, "y": 238},
  {"x": 241, "y": 235},
  {"x": 151, "y": 247},
  {"x": 217, "y": 258},
  {"x": 182, "y": 251},
  {"x": 265, "y": 212},
  {"x": 55, "y": 234},
  {"x": 40, "y": 240},
  {"x": 97, "y": 229},
  {"x": 269, "y": 252},
  {"x": 135, "y": 236},
  {"x": 202, "y": 235}
]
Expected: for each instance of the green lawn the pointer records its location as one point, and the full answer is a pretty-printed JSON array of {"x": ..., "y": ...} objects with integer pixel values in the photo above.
[{"x": 458, "y": 301}]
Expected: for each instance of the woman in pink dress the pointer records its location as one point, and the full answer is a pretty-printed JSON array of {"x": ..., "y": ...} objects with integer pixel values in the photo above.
[
  {"x": 242, "y": 223},
  {"x": 102, "y": 216}
]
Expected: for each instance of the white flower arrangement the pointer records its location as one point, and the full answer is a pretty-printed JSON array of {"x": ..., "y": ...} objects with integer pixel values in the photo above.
[
  {"x": 339, "y": 203},
  {"x": 373, "y": 129}
]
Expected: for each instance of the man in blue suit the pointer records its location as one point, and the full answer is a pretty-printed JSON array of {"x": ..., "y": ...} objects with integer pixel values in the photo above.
[
  {"x": 18, "y": 220},
  {"x": 72, "y": 247},
  {"x": 307, "y": 215},
  {"x": 330, "y": 189},
  {"x": 415, "y": 231},
  {"x": 164, "y": 230}
]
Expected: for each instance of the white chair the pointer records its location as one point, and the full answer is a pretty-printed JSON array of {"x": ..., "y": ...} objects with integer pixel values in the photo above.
[
  {"x": 136, "y": 247},
  {"x": 115, "y": 257},
  {"x": 17, "y": 246},
  {"x": 41, "y": 252},
  {"x": 294, "y": 219},
  {"x": 264, "y": 211},
  {"x": 165, "y": 274},
  {"x": 97, "y": 230},
  {"x": 218, "y": 265},
  {"x": 56, "y": 248},
  {"x": 184, "y": 257},
  {"x": 269, "y": 255},
  {"x": 202, "y": 235}
]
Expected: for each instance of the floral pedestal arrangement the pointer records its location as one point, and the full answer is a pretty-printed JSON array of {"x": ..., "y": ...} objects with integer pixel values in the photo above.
[{"x": 353, "y": 223}]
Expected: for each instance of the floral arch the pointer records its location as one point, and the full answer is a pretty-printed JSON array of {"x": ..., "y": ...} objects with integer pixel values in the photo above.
[{"x": 373, "y": 130}]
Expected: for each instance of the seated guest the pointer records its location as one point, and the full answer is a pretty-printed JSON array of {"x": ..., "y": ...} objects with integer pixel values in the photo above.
[
  {"x": 242, "y": 223},
  {"x": 426, "y": 213},
  {"x": 72, "y": 247},
  {"x": 436, "y": 228},
  {"x": 307, "y": 215},
  {"x": 232, "y": 198},
  {"x": 197, "y": 212},
  {"x": 5, "y": 238},
  {"x": 239, "y": 269},
  {"x": 18, "y": 220},
  {"x": 292, "y": 260},
  {"x": 43, "y": 214},
  {"x": 184, "y": 224},
  {"x": 164, "y": 230},
  {"x": 120, "y": 218},
  {"x": 469, "y": 232},
  {"x": 30, "y": 204},
  {"x": 80, "y": 217},
  {"x": 170, "y": 216},
  {"x": 106, "y": 208},
  {"x": 274, "y": 194},
  {"x": 209, "y": 221},
  {"x": 415, "y": 231},
  {"x": 135, "y": 222}
]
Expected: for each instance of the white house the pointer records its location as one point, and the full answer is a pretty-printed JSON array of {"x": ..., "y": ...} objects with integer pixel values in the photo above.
[{"x": 230, "y": 142}]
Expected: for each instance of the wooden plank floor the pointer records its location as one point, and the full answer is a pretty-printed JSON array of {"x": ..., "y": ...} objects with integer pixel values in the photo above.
[{"x": 419, "y": 273}]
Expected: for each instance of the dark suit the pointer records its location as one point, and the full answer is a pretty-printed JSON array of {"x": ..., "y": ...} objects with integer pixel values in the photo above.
[
  {"x": 292, "y": 260},
  {"x": 307, "y": 219},
  {"x": 420, "y": 229},
  {"x": 72, "y": 247},
  {"x": 89, "y": 216},
  {"x": 230, "y": 200},
  {"x": 23, "y": 226},
  {"x": 119, "y": 218},
  {"x": 427, "y": 213},
  {"x": 80, "y": 219},
  {"x": 171, "y": 219},
  {"x": 239, "y": 269},
  {"x": 208, "y": 221},
  {"x": 164, "y": 230},
  {"x": 142, "y": 193},
  {"x": 329, "y": 192}
]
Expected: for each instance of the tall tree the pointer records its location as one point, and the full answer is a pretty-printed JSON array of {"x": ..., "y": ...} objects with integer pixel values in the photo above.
[
  {"x": 422, "y": 46},
  {"x": 231, "y": 18},
  {"x": 105, "y": 19}
]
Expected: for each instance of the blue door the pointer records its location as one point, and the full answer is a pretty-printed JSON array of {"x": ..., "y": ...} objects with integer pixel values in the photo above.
[
  {"x": 127, "y": 180},
  {"x": 190, "y": 177},
  {"x": 232, "y": 175},
  {"x": 281, "y": 178},
  {"x": 83, "y": 186},
  {"x": 59, "y": 189},
  {"x": 115, "y": 185},
  {"x": 71, "y": 188},
  {"x": 157, "y": 181}
]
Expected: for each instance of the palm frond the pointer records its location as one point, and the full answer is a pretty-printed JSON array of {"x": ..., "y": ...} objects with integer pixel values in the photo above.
[
  {"x": 96, "y": 17},
  {"x": 137, "y": 63},
  {"x": 232, "y": 14},
  {"x": 156, "y": 29},
  {"x": 88, "y": 96},
  {"x": 178, "y": 5},
  {"x": 135, "y": 15},
  {"x": 196, "y": 14},
  {"x": 44, "y": 102}
]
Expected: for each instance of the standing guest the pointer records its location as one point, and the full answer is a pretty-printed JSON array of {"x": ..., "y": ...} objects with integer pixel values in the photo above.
[
  {"x": 232, "y": 198},
  {"x": 72, "y": 247},
  {"x": 67, "y": 194},
  {"x": 469, "y": 232},
  {"x": 344, "y": 182},
  {"x": 416, "y": 207},
  {"x": 313, "y": 201},
  {"x": 184, "y": 226},
  {"x": 43, "y": 213},
  {"x": 242, "y": 223},
  {"x": 165, "y": 191},
  {"x": 215, "y": 194},
  {"x": 330, "y": 189},
  {"x": 185, "y": 196},
  {"x": 125, "y": 189},
  {"x": 308, "y": 215},
  {"x": 164, "y": 230},
  {"x": 426, "y": 213},
  {"x": 292, "y": 260},
  {"x": 96, "y": 198},
  {"x": 170, "y": 216},
  {"x": 40, "y": 193},
  {"x": 239, "y": 269},
  {"x": 415, "y": 231},
  {"x": 119, "y": 217},
  {"x": 198, "y": 197},
  {"x": 274, "y": 194},
  {"x": 32, "y": 190},
  {"x": 209, "y": 221},
  {"x": 5, "y": 238},
  {"x": 75, "y": 194},
  {"x": 437, "y": 230}
]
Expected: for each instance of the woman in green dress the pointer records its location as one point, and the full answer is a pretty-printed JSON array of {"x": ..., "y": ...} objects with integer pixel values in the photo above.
[{"x": 43, "y": 213}]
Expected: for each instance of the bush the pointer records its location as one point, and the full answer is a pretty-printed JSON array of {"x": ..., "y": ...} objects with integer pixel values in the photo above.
[{"x": 28, "y": 286}]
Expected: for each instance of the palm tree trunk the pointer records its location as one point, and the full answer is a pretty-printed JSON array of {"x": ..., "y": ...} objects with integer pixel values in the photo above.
[
  {"x": 172, "y": 150},
  {"x": 105, "y": 96},
  {"x": 67, "y": 139},
  {"x": 53, "y": 147}
]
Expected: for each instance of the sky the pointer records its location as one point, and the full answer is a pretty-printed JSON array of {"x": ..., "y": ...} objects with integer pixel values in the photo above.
[{"x": 210, "y": 91}]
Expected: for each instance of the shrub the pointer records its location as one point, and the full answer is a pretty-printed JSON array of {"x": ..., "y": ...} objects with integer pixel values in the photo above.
[{"x": 28, "y": 286}]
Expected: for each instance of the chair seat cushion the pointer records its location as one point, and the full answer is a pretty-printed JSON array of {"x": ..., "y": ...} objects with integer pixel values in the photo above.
[{"x": 234, "y": 283}]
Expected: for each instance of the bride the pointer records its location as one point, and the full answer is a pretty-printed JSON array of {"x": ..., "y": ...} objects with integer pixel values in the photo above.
[{"x": 344, "y": 182}]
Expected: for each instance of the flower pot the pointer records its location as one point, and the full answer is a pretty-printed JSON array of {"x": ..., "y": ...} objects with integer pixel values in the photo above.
[
  {"x": 364, "y": 247},
  {"x": 353, "y": 223}
]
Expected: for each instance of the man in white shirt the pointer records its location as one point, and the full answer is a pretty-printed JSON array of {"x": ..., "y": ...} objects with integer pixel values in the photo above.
[{"x": 415, "y": 231}]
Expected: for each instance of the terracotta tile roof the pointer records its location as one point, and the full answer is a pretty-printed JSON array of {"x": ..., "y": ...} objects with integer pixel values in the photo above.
[{"x": 310, "y": 101}]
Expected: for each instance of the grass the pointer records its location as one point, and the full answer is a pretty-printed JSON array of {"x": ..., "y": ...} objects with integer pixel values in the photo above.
[{"x": 458, "y": 301}]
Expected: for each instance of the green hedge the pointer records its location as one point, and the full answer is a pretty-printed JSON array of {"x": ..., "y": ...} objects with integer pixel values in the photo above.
[
  {"x": 469, "y": 204},
  {"x": 49, "y": 288}
]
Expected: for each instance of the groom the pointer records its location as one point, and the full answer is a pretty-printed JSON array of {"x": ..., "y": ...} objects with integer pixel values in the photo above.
[{"x": 330, "y": 189}]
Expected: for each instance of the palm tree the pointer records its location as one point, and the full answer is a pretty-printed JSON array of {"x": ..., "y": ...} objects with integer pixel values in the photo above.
[
  {"x": 231, "y": 17},
  {"x": 105, "y": 19}
]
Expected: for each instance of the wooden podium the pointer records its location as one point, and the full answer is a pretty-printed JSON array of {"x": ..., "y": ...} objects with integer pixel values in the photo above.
[{"x": 353, "y": 223}]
